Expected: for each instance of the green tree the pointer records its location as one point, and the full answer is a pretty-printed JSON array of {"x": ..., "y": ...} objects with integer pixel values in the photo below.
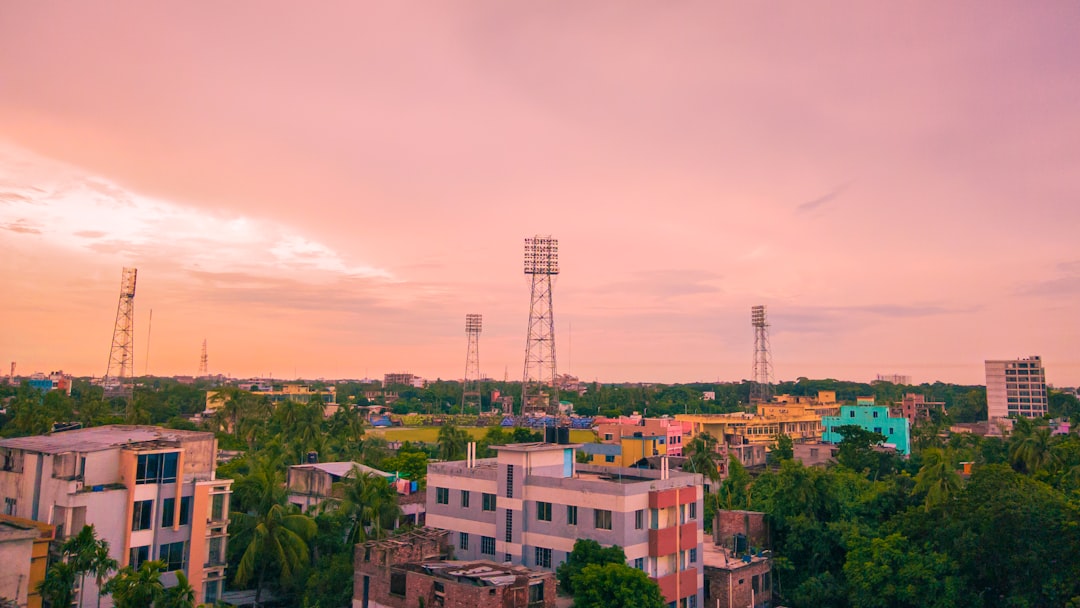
[
  {"x": 703, "y": 457},
  {"x": 784, "y": 448},
  {"x": 615, "y": 585},
  {"x": 412, "y": 465},
  {"x": 140, "y": 588},
  {"x": 585, "y": 553},
  {"x": 369, "y": 503},
  {"x": 181, "y": 595},
  {"x": 937, "y": 479},
  {"x": 890, "y": 573},
  {"x": 452, "y": 442},
  {"x": 58, "y": 586},
  {"x": 734, "y": 491},
  {"x": 856, "y": 450},
  {"x": 274, "y": 542},
  {"x": 1030, "y": 447}
]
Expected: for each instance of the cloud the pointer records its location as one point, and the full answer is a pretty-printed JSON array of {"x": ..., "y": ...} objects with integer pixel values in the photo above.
[
  {"x": 1067, "y": 283},
  {"x": 22, "y": 226},
  {"x": 816, "y": 203}
]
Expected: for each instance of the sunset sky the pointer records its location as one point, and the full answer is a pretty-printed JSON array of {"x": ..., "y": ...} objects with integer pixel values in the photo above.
[{"x": 327, "y": 189}]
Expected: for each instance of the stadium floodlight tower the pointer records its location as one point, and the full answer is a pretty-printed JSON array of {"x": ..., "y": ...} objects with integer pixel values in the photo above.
[
  {"x": 538, "y": 390},
  {"x": 762, "y": 389},
  {"x": 118, "y": 380},
  {"x": 470, "y": 387}
]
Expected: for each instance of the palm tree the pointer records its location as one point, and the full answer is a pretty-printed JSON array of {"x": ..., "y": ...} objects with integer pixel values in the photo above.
[
  {"x": 101, "y": 565},
  {"x": 58, "y": 586},
  {"x": 79, "y": 550},
  {"x": 1029, "y": 449},
  {"x": 278, "y": 538},
  {"x": 182, "y": 595},
  {"x": 370, "y": 503},
  {"x": 140, "y": 588},
  {"x": 937, "y": 478},
  {"x": 703, "y": 457},
  {"x": 452, "y": 442}
]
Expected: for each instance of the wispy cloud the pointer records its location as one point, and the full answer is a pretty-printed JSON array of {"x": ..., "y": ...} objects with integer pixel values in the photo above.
[{"x": 817, "y": 203}]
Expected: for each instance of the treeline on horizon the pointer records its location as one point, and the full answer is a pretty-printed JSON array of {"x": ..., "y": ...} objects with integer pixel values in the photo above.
[{"x": 162, "y": 400}]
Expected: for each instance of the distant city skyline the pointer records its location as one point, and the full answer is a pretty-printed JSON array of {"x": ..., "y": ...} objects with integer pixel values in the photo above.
[{"x": 327, "y": 193}]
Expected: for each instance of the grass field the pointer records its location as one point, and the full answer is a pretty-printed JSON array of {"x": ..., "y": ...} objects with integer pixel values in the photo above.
[{"x": 430, "y": 434}]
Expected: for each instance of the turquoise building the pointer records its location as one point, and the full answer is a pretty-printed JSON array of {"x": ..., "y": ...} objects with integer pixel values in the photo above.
[{"x": 873, "y": 418}]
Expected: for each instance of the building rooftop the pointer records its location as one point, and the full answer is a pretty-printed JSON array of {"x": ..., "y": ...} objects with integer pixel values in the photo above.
[
  {"x": 714, "y": 556},
  {"x": 479, "y": 573},
  {"x": 538, "y": 446},
  {"x": 342, "y": 469},
  {"x": 98, "y": 438},
  {"x": 604, "y": 449},
  {"x": 15, "y": 531}
]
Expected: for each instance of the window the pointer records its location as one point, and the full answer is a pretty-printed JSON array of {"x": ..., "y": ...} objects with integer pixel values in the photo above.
[
  {"x": 691, "y": 601},
  {"x": 536, "y": 592},
  {"x": 185, "y": 510},
  {"x": 213, "y": 552},
  {"x": 509, "y": 526},
  {"x": 654, "y": 519},
  {"x": 609, "y": 458},
  {"x": 875, "y": 414},
  {"x": 140, "y": 515},
  {"x": 168, "y": 508},
  {"x": 543, "y": 557},
  {"x": 602, "y": 519},
  {"x": 487, "y": 545},
  {"x": 465, "y": 499},
  {"x": 892, "y": 430},
  {"x": 571, "y": 515},
  {"x": 851, "y": 414},
  {"x": 156, "y": 468},
  {"x": 138, "y": 555},
  {"x": 173, "y": 555},
  {"x": 442, "y": 496},
  {"x": 543, "y": 511},
  {"x": 463, "y": 541},
  {"x": 211, "y": 592},
  {"x": 397, "y": 582},
  {"x": 693, "y": 556},
  {"x": 217, "y": 507},
  {"x": 9, "y": 506},
  {"x": 693, "y": 510},
  {"x": 488, "y": 501},
  {"x": 639, "y": 519},
  {"x": 509, "y": 481},
  {"x": 877, "y": 429},
  {"x": 639, "y": 563}
]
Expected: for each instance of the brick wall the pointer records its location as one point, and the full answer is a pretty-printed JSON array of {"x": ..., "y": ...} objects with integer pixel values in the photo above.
[
  {"x": 735, "y": 588},
  {"x": 750, "y": 523}
]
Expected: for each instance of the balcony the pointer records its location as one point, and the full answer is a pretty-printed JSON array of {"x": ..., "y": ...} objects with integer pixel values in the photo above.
[{"x": 664, "y": 541}]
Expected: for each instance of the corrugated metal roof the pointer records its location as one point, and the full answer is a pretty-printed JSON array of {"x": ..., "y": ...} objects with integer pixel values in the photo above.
[
  {"x": 604, "y": 449},
  {"x": 342, "y": 469},
  {"x": 98, "y": 438}
]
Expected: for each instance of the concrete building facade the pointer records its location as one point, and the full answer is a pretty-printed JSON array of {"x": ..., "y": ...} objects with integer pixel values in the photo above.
[
  {"x": 1015, "y": 388},
  {"x": 151, "y": 492},
  {"x": 875, "y": 418},
  {"x": 531, "y": 503}
]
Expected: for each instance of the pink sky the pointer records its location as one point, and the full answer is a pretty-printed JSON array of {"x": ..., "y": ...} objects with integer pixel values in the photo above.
[{"x": 326, "y": 190}]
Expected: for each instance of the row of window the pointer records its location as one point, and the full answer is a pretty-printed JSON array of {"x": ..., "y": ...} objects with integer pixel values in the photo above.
[
  {"x": 142, "y": 514},
  {"x": 173, "y": 555},
  {"x": 156, "y": 468},
  {"x": 601, "y": 517}
]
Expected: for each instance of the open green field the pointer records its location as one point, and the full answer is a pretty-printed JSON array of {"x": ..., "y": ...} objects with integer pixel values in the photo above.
[{"x": 430, "y": 434}]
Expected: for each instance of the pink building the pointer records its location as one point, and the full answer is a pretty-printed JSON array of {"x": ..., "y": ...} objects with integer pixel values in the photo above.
[{"x": 676, "y": 432}]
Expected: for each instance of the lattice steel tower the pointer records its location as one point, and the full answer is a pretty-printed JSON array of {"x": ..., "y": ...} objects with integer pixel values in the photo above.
[
  {"x": 470, "y": 387},
  {"x": 762, "y": 390},
  {"x": 541, "y": 264},
  {"x": 122, "y": 352},
  {"x": 204, "y": 362}
]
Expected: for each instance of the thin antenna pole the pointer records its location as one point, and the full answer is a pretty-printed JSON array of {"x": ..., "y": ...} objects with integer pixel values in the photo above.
[{"x": 149, "y": 327}]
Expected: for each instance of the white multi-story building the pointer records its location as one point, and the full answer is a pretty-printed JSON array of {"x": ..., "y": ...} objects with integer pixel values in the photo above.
[
  {"x": 1016, "y": 387},
  {"x": 531, "y": 503},
  {"x": 151, "y": 492}
]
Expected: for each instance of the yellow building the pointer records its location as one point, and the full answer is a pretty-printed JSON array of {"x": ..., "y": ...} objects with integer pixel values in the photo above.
[
  {"x": 626, "y": 452},
  {"x": 24, "y": 545},
  {"x": 798, "y": 421}
]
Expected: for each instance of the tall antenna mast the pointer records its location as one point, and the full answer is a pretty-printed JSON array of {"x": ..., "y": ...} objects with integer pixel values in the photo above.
[
  {"x": 122, "y": 353},
  {"x": 762, "y": 389},
  {"x": 471, "y": 385},
  {"x": 541, "y": 264},
  {"x": 204, "y": 362}
]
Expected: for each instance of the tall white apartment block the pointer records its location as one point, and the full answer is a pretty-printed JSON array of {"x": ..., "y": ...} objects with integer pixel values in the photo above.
[
  {"x": 1016, "y": 387},
  {"x": 151, "y": 492}
]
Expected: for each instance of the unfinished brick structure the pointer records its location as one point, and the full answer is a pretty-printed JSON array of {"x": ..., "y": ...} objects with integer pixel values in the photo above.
[
  {"x": 411, "y": 571},
  {"x": 751, "y": 524},
  {"x": 737, "y": 581}
]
